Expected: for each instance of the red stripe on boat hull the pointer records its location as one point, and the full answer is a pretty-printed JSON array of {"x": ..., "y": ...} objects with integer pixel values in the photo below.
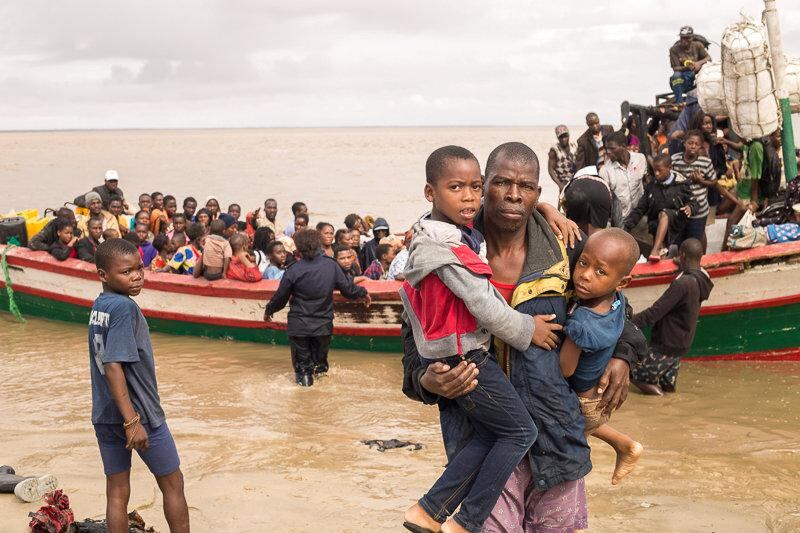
[{"x": 787, "y": 354}]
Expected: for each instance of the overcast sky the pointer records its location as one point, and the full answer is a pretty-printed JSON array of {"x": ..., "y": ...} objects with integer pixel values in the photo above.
[{"x": 176, "y": 63}]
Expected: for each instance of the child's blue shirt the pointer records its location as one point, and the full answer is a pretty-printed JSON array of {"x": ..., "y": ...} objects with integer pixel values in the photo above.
[
  {"x": 596, "y": 335},
  {"x": 118, "y": 333}
]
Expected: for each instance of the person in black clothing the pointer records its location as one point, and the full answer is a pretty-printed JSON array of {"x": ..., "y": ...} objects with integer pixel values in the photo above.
[
  {"x": 590, "y": 143},
  {"x": 667, "y": 201},
  {"x": 674, "y": 320},
  {"x": 86, "y": 247},
  {"x": 48, "y": 235},
  {"x": 106, "y": 191},
  {"x": 369, "y": 252},
  {"x": 310, "y": 283},
  {"x": 64, "y": 247}
]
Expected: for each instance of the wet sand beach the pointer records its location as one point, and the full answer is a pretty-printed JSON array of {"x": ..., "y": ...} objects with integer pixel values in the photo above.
[{"x": 261, "y": 454}]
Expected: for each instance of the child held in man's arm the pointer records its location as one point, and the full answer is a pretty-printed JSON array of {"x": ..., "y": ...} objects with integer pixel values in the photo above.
[
  {"x": 454, "y": 310},
  {"x": 593, "y": 327},
  {"x": 126, "y": 407}
]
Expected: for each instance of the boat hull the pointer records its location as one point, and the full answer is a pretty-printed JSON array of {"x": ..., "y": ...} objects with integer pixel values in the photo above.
[{"x": 753, "y": 312}]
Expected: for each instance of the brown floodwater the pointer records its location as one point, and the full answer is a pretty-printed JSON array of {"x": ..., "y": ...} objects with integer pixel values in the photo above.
[{"x": 261, "y": 454}]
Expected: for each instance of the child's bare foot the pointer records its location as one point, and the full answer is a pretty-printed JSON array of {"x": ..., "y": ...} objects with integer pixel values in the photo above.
[
  {"x": 418, "y": 521},
  {"x": 626, "y": 462},
  {"x": 451, "y": 526}
]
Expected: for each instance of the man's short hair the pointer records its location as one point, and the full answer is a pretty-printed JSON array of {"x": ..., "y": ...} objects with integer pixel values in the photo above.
[
  {"x": 189, "y": 199},
  {"x": 168, "y": 198},
  {"x": 115, "y": 198},
  {"x": 110, "y": 250},
  {"x": 238, "y": 241},
  {"x": 516, "y": 152},
  {"x": 270, "y": 200},
  {"x": 693, "y": 133},
  {"x": 692, "y": 249},
  {"x": 591, "y": 115},
  {"x": 296, "y": 207},
  {"x": 437, "y": 162},
  {"x": 617, "y": 138},
  {"x": 301, "y": 216},
  {"x": 144, "y": 195},
  {"x": 662, "y": 159},
  {"x": 337, "y": 248},
  {"x": 350, "y": 220}
]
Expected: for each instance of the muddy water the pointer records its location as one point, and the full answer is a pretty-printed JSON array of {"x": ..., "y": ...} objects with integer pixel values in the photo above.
[{"x": 261, "y": 454}]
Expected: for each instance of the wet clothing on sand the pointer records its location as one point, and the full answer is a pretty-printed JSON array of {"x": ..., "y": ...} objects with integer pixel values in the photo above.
[{"x": 118, "y": 333}]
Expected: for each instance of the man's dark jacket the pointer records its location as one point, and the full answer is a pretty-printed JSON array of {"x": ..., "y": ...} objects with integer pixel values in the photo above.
[
  {"x": 560, "y": 452},
  {"x": 310, "y": 284},
  {"x": 105, "y": 196},
  {"x": 587, "y": 151}
]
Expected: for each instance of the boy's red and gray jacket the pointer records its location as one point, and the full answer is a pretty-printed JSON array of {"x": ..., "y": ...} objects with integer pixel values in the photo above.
[{"x": 449, "y": 302}]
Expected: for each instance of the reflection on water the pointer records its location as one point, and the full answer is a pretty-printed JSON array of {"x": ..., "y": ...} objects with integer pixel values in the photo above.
[{"x": 261, "y": 454}]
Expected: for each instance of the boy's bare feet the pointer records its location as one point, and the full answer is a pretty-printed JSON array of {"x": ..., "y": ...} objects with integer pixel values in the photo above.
[
  {"x": 626, "y": 462},
  {"x": 451, "y": 526},
  {"x": 418, "y": 521}
]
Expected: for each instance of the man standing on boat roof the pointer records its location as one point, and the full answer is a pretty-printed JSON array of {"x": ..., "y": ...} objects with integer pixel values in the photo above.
[
  {"x": 106, "y": 191},
  {"x": 561, "y": 161},
  {"x": 686, "y": 57}
]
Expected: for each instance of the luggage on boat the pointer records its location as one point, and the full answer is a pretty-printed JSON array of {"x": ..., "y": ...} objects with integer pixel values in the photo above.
[
  {"x": 710, "y": 93},
  {"x": 13, "y": 227},
  {"x": 747, "y": 80},
  {"x": 791, "y": 82}
]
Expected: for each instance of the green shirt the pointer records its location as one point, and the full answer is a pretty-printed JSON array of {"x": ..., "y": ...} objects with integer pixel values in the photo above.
[{"x": 754, "y": 168}]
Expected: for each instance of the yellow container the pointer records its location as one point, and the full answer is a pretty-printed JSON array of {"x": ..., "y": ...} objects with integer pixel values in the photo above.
[
  {"x": 35, "y": 225},
  {"x": 29, "y": 214},
  {"x": 82, "y": 211}
]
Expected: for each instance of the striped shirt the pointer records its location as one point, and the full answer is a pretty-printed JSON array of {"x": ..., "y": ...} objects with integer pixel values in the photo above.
[{"x": 699, "y": 191}]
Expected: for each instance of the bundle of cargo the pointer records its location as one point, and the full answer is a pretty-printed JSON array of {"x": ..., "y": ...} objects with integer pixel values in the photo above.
[
  {"x": 710, "y": 91},
  {"x": 748, "y": 81}
]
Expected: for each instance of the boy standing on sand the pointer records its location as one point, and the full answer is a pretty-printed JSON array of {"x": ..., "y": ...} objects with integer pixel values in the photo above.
[{"x": 126, "y": 409}]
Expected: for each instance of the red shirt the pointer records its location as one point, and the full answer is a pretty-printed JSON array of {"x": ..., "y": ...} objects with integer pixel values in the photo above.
[{"x": 506, "y": 290}]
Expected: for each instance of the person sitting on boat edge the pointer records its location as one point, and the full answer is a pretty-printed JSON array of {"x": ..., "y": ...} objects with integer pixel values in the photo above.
[
  {"x": 163, "y": 245},
  {"x": 379, "y": 268},
  {"x": 64, "y": 247},
  {"x": 85, "y": 247},
  {"x": 593, "y": 328},
  {"x": 109, "y": 187},
  {"x": 186, "y": 257},
  {"x": 276, "y": 254},
  {"x": 310, "y": 283},
  {"x": 243, "y": 265},
  {"x": 48, "y": 234},
  {"x": 346, "y": 258},
  {"x": 126, "y": 407},
  {"x": 667, "y": 202},
  {"x": 217, "y": 253},
  {"x": 145, "y": 246},
  {"x": 686, "y": 57},
  {"x": 95, "y": 206},
  {"x": 298, "y": 208},
  {"x": 674, "y": 320}
]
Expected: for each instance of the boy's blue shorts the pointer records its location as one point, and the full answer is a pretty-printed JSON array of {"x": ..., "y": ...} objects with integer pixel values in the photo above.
[{"x": 161, "y": 456}]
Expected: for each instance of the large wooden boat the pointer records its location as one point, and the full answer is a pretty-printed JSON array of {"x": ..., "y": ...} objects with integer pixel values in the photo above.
[{"x": 753, "y": 311}]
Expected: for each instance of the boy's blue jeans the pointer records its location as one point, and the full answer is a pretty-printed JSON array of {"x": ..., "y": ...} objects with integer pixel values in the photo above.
[
  {"x": 503, "y": 432},
  {"x": 681, "y": 83}
]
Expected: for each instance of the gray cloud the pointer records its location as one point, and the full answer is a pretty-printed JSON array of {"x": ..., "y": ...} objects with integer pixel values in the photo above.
[{"x": 98, "y": 64}]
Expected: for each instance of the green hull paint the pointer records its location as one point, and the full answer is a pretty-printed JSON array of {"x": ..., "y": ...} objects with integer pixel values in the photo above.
[
  {"x": 51, "y": 309},
  {"x": 745, "y": 331}
]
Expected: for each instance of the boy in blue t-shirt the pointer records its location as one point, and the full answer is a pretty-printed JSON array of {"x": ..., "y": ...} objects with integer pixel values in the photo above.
[
  {"x": 126, "y": 409},
  {"x": 593, "y": 327}
]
